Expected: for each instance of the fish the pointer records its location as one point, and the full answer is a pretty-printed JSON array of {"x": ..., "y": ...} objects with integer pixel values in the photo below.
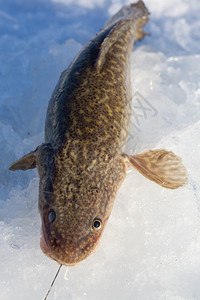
[{"x": 82, "y": 162}]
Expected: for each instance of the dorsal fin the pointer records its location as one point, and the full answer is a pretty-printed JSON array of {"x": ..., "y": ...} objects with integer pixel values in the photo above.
[
  {"x": 110, "y": 39},
  {"x": 135, "y": 15}
]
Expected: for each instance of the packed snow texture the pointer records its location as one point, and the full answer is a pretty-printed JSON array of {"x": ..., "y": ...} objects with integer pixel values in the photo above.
[{"x": 151, "y": 246}]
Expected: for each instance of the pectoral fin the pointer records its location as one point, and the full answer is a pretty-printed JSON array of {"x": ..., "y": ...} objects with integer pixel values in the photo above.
[
  {"x": 160, "y": 166},
  {"x": 26, "y": 162}
]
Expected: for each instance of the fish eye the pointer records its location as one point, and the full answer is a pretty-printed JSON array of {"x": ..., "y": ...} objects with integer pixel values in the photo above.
[
  {"x": 51, "y": 216},
  {"x": 97, "y": 223}
]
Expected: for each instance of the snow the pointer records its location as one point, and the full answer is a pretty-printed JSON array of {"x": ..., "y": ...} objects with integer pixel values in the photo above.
[{"x": 151, "y": 246}]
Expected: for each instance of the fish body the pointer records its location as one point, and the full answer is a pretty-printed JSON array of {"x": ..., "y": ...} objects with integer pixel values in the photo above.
[{"x": 82, "y": 163}]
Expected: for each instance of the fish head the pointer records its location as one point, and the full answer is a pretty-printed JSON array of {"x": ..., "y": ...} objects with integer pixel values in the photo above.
[
  {"x": 70, "y": 232},
  {"x": 74, "y": 212},
  {"x": 73, "y": 205}
]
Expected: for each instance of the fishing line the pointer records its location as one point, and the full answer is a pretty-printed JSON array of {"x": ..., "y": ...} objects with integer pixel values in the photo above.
[{"x": 53, "y": 282}]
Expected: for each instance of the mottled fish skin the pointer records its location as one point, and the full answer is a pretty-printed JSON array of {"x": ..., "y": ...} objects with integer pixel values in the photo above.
[
  {"x": 86, "y": 127},
  {"x": 81, "y": 165}
]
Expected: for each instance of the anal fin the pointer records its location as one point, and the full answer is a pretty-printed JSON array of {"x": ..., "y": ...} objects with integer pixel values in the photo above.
[{"x": 161, "y": 166}]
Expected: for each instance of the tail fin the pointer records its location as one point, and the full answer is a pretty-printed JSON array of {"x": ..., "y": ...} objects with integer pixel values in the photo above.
[{"x": 136, "y": 11}]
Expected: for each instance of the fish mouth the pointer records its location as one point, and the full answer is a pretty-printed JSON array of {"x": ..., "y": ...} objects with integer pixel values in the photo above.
[
  {"x": 43, "y": 244},
  {"x": 64, "y": 257},
  {"x": 47, "y": 251}
]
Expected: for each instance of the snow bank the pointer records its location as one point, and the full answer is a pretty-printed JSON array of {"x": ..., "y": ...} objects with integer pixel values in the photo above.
[{"x": 150, "y": 248}]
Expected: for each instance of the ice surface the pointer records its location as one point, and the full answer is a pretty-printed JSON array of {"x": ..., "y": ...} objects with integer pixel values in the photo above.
[{"x": 151, "y": 246}]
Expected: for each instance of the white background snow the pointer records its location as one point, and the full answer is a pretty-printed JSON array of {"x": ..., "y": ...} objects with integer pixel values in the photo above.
[{"x": 151, "y": 246}]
